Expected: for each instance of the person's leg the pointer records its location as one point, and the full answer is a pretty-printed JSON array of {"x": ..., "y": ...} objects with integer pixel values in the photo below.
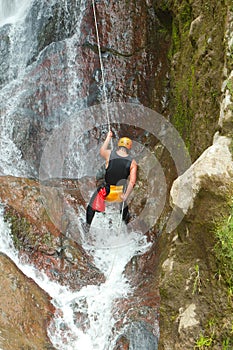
[
  {"x": 90, "y": 213},
  {"x": 125, "y": 214},
  {"x": 96, "y": 204}
]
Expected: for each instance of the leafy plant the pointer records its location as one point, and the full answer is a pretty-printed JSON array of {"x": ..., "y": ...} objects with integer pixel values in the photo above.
[
  {"x": 230, "y": 86},
  {"x": 197, "y": 280},
  {"x": 226, "y": 344},
  {"x": 203, "y": 342}
]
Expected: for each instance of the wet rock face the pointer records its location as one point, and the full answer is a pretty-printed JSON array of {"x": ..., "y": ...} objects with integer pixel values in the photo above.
[
  {"x": 134, "y": 51},
  {"x": 56, "y": 252},
  {"x": 60, "y": 69},
  {"x": 58, "y": 78},
  {"x": 138, "y": 315},
  {"x": 4, "y": 63},
  {"x": 122, "y": 344},
  {"x": 138, "y": 336},
  {"x": 141, "y": 336},
  {"x": 41, "y": 243},
  {"x": 25, "y": 310}
]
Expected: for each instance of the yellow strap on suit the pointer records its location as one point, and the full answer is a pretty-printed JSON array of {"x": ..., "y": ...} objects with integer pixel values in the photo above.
[{"x": 115, "y": 194}]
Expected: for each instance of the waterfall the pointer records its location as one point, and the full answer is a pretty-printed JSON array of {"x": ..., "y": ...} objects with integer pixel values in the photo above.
[
  {"x": 12, "y": 10},
  {"x": 94, "y": 302},
  {"x": 23, "y": 96},
  {"x": 20, "y": 39},
  {"x": 25, "y": 85}
]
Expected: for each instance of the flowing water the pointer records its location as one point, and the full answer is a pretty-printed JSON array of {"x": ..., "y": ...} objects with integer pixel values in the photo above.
[
  {"x": 94, "y": 329},
  {"x": 26, "y": 85},
  {"x": 111, "y": 253},
  {"x": 13, "y": 70},
  {"x": 12, "y": 11}
]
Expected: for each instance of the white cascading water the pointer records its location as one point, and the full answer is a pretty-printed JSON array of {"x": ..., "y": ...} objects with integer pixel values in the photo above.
[
  {"x": 112, "y": 248},
  {"x": 12, "y": 10}
]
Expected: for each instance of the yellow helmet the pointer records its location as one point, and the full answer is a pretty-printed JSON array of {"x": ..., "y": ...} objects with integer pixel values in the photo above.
[{"x": 125, "y": 142}]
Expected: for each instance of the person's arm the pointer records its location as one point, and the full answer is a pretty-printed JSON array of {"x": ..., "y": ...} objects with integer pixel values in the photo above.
[
  {"x": 132, "y": 180},
  {"x": 104, "y": 151}
]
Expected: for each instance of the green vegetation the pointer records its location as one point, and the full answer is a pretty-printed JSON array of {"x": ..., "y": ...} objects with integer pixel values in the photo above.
[
  {"x": 226, "y": 344},
  {"x": 218, "y": 331},
  {"x": 18, "y": 226},
  {"x": 231, "y": 147},
  {"x": 180, "y": 27},
  {"x": 185, "y": 14},
  {"x": 196, "y": 76},
  {"x": 224, "y": 250},
  {"x": 210, "y": 337},
  {"x": 183, "y": 89},
  {"x": 224, "y": 254},
  {"x": 203, "y": 342},
  {"x": 183, "y": 115},
  {"x": 230, "y": 86},
  {"x": 24, "y": 235},
  {"x": 197, "y": 280},
  {"x": 207, "y": 341},
  {"x": 175, "y": 40}
]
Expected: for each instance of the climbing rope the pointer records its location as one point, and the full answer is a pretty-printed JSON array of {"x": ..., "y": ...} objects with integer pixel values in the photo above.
[
  {"x": 101, "y": 65},
  {"x": 107, "y": 112}
]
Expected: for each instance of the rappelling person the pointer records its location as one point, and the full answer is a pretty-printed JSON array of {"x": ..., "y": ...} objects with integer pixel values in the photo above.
[{"x": 120, "y": 167}]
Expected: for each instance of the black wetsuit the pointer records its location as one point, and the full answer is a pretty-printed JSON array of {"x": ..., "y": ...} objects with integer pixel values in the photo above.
[
  {"x": 116, "y": 173},
  {"x": 118, "y": 169}
]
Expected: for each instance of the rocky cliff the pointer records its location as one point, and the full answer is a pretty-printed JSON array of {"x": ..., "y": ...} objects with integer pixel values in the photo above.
[
  {"x": 21, "y": 302},
  {"x": 174, "y": 57},
  {"x": 196, "y": 302}
]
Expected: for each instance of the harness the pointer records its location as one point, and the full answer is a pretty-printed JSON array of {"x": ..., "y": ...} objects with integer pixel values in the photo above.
[{"x": 116, "y": 175}]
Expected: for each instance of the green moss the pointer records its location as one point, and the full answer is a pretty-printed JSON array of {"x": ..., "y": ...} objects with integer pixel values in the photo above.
[
  {"x": 197, "y": 280},
  {"x": 180, "y": 26},
  {"x": 185, "y": 15},
  {"x": 183, "y": 114},
  {"x": 196, "y": 72},
  {"x": 18, "y": 226},
  {"x": 23, "y": 233},
  {"x": 176, "y": 42},
  {"x": 215, "y": 334},
  {"x": 224, "y": 248},
  {"x": 183, "y": 88},
  {"x": 230, "y": 86},
  {"x": 224, "y": 255},
  {"x": 227, "y": 344}
]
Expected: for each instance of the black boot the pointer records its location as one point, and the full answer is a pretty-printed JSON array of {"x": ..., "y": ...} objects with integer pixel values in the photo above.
[
  {"x": 126, "y": 214},
  {"x": 90, "y": 213}
]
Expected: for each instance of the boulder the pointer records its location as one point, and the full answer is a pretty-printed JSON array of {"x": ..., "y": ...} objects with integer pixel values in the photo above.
[
  {"x": 25, "y": 310},
  {"x": 44, "y": 238},
  {"x": 214, "y": 166}
]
